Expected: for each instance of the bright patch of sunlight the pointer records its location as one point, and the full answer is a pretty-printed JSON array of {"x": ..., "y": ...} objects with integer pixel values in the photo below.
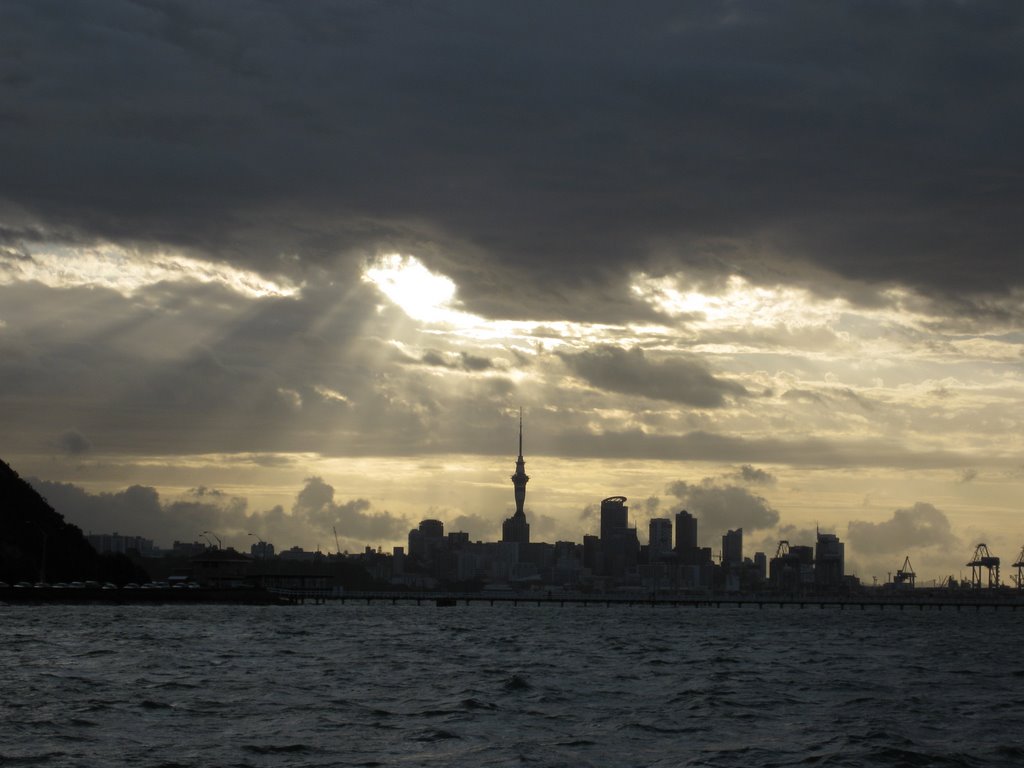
[
  {"x": 127, "y": 271},
  {"x": 330, "y": 394},
  {"x": 429, "y": 298},
  {"x": 423, "y": 295},
  {"x": 739, "y": 303}
]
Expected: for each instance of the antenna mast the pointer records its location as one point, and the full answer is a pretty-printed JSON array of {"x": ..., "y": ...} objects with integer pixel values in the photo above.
[{"x": 520, "y": 432}]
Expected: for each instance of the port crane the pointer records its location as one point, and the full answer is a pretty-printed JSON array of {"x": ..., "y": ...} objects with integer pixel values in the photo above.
[
  {"x": 1019, "y": 565},
  {"x": 905, "y": 576},
  {"x": 984, "y": 559}
]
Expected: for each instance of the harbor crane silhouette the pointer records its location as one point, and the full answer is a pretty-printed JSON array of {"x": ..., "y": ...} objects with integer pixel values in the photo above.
[{"x": 984, "y": 559}]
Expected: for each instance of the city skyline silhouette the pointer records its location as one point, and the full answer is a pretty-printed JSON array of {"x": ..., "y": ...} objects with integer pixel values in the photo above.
[{"x": 763, "y": 262}]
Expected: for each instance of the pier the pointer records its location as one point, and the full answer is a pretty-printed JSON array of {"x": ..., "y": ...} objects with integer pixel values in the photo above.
[{"x": 930, "y": 600}]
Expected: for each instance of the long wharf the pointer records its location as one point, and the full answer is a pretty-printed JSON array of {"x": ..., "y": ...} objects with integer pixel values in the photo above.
[{"x": 956, "y": 601}]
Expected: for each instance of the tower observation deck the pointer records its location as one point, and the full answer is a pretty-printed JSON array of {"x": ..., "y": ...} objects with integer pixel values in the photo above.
[{"x": 516, "y": 528}]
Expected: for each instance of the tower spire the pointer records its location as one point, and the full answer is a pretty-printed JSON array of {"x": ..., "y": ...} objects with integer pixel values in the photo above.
[
  {"x": 520, "y": 432},
  {"x": 516, "y": 528}
]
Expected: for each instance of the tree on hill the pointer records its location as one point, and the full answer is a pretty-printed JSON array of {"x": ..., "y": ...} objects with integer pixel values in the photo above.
[{"x": 37, "y": 544}]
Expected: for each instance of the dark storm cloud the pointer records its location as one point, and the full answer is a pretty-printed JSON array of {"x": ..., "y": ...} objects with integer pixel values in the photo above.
[
  {"x": 554, "y": 147},
  {"x": 920, "y": 526},
  {"x": 676, "y": 379}
]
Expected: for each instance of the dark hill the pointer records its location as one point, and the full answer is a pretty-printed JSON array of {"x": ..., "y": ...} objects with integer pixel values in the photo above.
[{"x": 36, "y": 544}]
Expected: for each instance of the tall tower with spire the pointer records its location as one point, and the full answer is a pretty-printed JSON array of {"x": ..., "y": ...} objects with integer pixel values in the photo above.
[{"x": 516, "y": 528}]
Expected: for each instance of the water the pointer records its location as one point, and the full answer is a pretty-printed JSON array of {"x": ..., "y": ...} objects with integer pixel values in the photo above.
[{"x": 348, "y": 685}]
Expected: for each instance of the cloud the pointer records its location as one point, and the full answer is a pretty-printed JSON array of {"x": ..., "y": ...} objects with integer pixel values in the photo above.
[
  {"x": 639, "y": 128},
  {"x": 968, "y": 475},
  {"x": 753, "y": 476},
  {"x": 701, "y": 445},
  {"x": 803, "y": 396},
  {"x": 676, "y": 379},
  {"x": 315, "y": 505},
  {"x": 477, "y": 526},
  {"x": 224, "y": 516},
  {"x": 462, "y": 361},
  {"x": 202, "y": 491},
  {"x": 139, "y": 511},
  {"x": 919, "y": 526},
  {"x": 696, "y": 204},
  {"x": 551, "y": 529},
  {"x": 73, "y": 443},
  {"x": 722, "y": 507},
  {"x": 828, "y": 397}
]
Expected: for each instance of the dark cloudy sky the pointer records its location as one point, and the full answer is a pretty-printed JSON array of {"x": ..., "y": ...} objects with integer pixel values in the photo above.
[{"x": 278, "y": 267}]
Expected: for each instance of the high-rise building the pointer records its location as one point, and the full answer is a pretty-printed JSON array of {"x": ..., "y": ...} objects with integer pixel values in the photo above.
[
  {"x": 515, "y": 528},
  {"x": 732, "y": 548},
  {"x": 686, "y": 532},
  {"x": 619, "y": 545},
  {"x": 761, "y": 565},
  {"x": 614, "y": 516},
  {"x": 432, "y": 529},
  {"x": 426, "y": 539},
  {"x": 829, "y": 560},
  {"x": 660, "y": 538}
]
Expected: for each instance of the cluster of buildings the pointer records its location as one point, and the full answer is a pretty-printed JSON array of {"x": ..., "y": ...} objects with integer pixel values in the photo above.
[
  {"x": 616, "y": 559},
  {"x": 116, "y": 544},
  {"x": 672, "y": 559}
]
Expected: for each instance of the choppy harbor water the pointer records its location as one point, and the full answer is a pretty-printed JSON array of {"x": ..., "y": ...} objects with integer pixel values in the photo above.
[{"x": 341, "y": 685}]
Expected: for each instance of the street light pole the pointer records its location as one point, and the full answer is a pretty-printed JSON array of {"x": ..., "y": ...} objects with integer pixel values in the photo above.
[{"x": 219, "y": 545}]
